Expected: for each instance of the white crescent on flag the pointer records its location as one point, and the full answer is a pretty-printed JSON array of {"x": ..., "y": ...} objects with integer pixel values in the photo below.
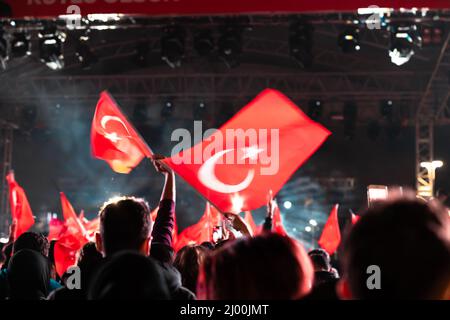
[
  {"x": 207, "y": 176},
  {"x": 113, "y": 136}
]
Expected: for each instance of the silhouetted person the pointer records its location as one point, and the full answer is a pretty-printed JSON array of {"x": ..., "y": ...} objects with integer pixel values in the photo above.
[
  {"x": 266, "y": 267},
  {"x": 130, "y": 276},
  {"x": 187, "y": 262},
  {"x": 408, "y": 240},
  {"x": 28, "y": 276}
]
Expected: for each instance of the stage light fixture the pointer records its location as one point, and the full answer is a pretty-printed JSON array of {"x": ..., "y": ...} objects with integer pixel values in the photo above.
[
  {"x": 348, "y": 40},
  {"x": 167, "y": 109},
  {"x": 301, "y": 43},
  {"x": 204, "y": 43},
  {"x": 199, "y": 111},
  {"x": 20, "y": 45},
  {"x": 173, "y": 46},
  {"x": 230, "y": 45},
  {"x": 432, "y": 35},
  {"x": 387, "y": 108},
  {"x": 51, "y": 42},
  {"x": 403, "y": 40},
  {"x": 84, "y": 53},
  {"x": 315, "y": 109}
]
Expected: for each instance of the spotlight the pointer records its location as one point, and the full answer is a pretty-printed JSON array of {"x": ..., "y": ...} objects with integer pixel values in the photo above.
[
  {"x": 199, "y": 111},
  {"x": 167, "y": 109},
  {"x": 315, "y": 109},
  {"x": 20, "y": 45},
  {"x": 350, "y": 116},
  {"x": 172, "y": 46},
  {"x": 386, "y": 108},
  {"x": 230, "y": 45},
  {"x": 349, "y": 40},
  {"x": 301, "y": 43},
  {"x": 308, "y": 229},
  {"x": 84, "y": 53},
  {"x": 432, "y": 36},
  {"x": 142, "y": 54},
  {"x": 313, "y": 222},
  {"x": 203, "y": 43},
  {"x": 403, "y": 40},
  {"x": 51, "y": 43},
  {"x": 287, "y": 205}
]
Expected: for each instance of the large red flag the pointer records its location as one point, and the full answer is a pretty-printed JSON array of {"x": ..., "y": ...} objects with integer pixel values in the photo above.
[
  {"x": 20, "y": 207},
  {"x": 201, "y": 231},
  {"x": 253, "y": 154},
  {"x": 331, "y": 234},
  {"x": 114, "y": 139},
  {"x": 277, "y": 222}
]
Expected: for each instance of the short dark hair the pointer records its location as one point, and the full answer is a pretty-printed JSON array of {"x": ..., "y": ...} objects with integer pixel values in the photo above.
[
  {"x": 320, "y": 259},
  {"x": 32, "y": 241},
  {"x": 124, "y": 224},
  {"x": 406, "y": 240},
  {"x": 239, "y": 270}
]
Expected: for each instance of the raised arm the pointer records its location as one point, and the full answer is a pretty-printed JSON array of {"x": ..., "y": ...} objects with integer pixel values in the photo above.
[
  {"x": 267, "y": 226},
  {"x": 161, "y": 247}
]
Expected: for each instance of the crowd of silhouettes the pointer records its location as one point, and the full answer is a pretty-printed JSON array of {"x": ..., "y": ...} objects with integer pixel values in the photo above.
[{"x": 407, "y": 238}]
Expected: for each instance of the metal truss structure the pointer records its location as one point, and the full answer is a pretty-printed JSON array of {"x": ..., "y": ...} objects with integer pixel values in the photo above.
[
  {"x": 432, "y": 108},
  {"x": 7, "y": 135}
]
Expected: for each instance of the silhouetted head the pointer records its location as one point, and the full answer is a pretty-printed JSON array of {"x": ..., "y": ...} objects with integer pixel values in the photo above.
[
  {"x": 188, "y": 261},
  {"x": 320, "y": 260},
  {"x": 32, "y": 241},
  {"x": 408, "y": 242},
  {"x": 266, "y": 267},
  {"x": 125, "y": 224},
  {"x": 28, "y": 275}
]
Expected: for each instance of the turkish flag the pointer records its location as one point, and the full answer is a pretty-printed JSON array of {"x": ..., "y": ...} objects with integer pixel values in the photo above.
[
  {"x": 331, "y": 234},
  {"x": 253, "y": 154},
  {"x": 66, "y": 248},
  {"x": 20, "y": 207},
  {"x": 277, "y": 222},
  {"x": 355, "y": 218},
  {"x": 72, "y": 221},
  {"x": 201, "y": 231},
  {"x": 114, "y": 139}
]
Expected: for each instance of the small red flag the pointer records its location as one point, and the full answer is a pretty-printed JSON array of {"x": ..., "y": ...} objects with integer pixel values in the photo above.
[
  {"x": 56, "y": 229},
  {"x": 252, "y": 154},
  {"x": 74, "y": 237},
  {"x": 72, "y": 221},
  {"x": 331, "y": 234},
  {"x": 66, "y": 249},
  {"x": 201, "y": 231},
  {"x": 20, "y": 207},
  {"x": 355, "y": 218},
  {"x": 277, "y": 222},
  {"x": 114, "y": 139}
]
